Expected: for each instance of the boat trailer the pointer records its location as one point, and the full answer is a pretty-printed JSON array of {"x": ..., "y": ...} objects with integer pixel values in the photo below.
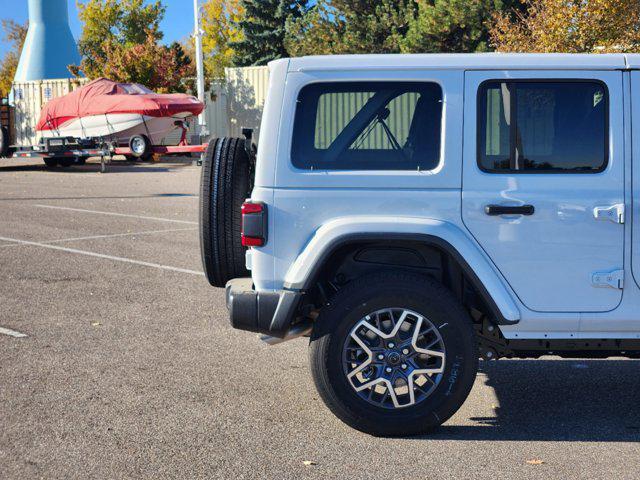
[{"x": 67, "y": 150}]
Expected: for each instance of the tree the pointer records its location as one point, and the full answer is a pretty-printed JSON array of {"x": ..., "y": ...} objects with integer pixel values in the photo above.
[
  {"x": 453, "y": 25},
  {"x": 161, "y": 68},
  {"x": 264, "y": 29},
  {"x": 394, "y": 26},
  {"x": 570, "y": 26},
  {"x": 14, "y": 35},
  {"x": 220, "y": 20},
  {"x": 106, "y": 23},
  {"x": 350, "y": 26},
  {"x": 121, "y": 40}
]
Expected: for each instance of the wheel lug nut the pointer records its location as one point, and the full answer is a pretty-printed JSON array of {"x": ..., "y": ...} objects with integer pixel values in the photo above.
[
  {"x": 404, "y": 366},
  {"x": 380, "y": 357},
  {"x": 405, "y": 351},
  {"x": 388, "y": 369},
  {"x": 391, "y": 344}
]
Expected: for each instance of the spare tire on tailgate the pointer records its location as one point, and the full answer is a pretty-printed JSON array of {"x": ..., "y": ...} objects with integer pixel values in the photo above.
[{"x": 226, "y": 183}]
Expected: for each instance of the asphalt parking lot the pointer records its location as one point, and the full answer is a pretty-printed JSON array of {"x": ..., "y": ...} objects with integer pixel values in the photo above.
[{"x": 129, "y": 368}]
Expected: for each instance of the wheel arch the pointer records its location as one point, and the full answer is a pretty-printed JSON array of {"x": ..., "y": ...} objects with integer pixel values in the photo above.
[{"x": 336, "y": 236}]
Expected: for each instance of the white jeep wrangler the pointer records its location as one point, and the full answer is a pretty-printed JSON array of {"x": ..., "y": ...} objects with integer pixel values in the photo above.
[{"x": 412, "y": 213}]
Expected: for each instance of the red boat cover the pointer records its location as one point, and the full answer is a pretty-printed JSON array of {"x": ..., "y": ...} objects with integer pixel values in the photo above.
[{"x": 105, "y": 96}]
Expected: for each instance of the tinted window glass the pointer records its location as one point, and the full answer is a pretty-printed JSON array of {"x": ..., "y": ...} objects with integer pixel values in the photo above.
[
  {"x": 543, "y": 126},
  {"x": 368, "y": 126}
]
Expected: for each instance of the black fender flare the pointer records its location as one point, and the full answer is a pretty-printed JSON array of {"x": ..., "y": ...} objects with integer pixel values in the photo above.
[{"x": 429, "y": 240}]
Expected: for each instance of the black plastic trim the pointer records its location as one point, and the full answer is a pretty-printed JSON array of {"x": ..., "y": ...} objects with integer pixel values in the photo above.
[
  {"x": 494, "y": 210},
  {"x": 424, "y": 238},
  {"x": 268, "y": 312}
]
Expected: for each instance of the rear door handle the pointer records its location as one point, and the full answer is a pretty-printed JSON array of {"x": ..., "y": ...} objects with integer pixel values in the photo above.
[{"x": 494, "y": 210}]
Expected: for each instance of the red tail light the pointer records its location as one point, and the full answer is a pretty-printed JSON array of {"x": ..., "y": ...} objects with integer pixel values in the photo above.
[{"x": 254, "y": 224}]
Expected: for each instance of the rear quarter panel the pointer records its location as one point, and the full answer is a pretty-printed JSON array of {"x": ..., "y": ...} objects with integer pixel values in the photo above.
[{"x": 301, "y": 201}]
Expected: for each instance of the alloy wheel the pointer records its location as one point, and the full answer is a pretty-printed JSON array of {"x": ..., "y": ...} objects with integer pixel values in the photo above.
[{"x": 394, "y": 358}]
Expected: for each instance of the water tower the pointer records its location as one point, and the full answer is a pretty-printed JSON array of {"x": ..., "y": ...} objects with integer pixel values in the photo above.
[{"x": 49, "y": 47}]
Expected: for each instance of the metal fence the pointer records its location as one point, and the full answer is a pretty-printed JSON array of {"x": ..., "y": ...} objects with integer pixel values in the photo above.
[
  {"x": 28, "y": 100},
  {"x": 237, "y": 101}
]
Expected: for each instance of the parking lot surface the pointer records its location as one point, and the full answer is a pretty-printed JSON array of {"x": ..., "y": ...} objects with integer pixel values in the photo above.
[{"x": 117, "y": 361}]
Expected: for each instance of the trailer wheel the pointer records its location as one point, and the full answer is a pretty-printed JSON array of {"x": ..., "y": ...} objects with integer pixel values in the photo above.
[
  {"x": 66, "y": 162},
  {"x": 51, "y": 162},
  {"x": 140, "y": 147},
  {"x": 226, "y": 183},
  {"x": 4, "y": 142}
]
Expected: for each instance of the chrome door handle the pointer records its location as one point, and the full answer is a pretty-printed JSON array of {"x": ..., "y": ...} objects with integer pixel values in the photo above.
[{"x": 494, "y": 210}]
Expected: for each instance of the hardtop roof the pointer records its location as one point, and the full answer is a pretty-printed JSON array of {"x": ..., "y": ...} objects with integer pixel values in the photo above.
[{"x": 468, "y": 61}]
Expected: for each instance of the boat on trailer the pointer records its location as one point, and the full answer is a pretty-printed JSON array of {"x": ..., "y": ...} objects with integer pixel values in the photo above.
[{"x": 116, "y": 113}]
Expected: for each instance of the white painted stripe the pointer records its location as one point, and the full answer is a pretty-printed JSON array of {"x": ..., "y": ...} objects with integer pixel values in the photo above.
[
  {"x": 101, "y": 255},
  {"x": 11, "y": 333},
  {"x": 114, "y": 235},
  {"x": 114, "y": 214}
]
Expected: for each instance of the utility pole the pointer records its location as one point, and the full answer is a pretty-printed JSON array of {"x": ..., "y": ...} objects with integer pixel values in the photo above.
[{"x": 197, "y": 35}]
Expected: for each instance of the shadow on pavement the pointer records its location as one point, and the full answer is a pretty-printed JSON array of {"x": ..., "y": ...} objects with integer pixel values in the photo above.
[
  {"x": 556, "y": 400},
  {"x": 103, "y": 197},
  {"x": 165, "y": 164}
]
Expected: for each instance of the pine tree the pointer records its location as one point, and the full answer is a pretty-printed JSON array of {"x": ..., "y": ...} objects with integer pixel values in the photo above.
[
  {"x": 394, "y": 26},
  {"x": 264, "y": 28},
  {"x": 350, "y": 26},
  {"x": 454, "y": 25}
]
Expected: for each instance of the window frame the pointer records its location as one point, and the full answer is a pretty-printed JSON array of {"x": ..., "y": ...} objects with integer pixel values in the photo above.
[
  {"x": 339, "y": 82},
  {"x": 481, "y": 96}
]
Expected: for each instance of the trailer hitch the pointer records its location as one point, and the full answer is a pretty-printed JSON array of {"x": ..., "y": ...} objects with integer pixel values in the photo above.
[{"x": 249, "y": 146}]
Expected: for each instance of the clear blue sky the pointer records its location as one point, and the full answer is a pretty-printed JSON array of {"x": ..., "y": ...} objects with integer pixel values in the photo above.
[{"x": 177, "y": 24}]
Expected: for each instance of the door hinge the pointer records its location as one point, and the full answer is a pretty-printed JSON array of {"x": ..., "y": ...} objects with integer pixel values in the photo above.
[
  {"x": 614, "y": 213},
  {"x": 614, "y": 279}
]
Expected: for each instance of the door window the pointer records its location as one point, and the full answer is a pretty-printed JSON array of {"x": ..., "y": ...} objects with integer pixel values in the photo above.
[
  {"x": 535, "y": 127},
  {"x": 368, "y": 126}
]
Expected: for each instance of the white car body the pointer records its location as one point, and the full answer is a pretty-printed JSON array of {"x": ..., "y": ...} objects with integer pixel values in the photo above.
[{"x": 544, "y": 273}]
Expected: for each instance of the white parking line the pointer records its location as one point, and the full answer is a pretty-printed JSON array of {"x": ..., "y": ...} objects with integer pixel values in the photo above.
[
  {"x": 114, "y": 235},
  {"x": 101, "y": 255},
  {"x": 97, "y": 237},
  {"x": 11, "y": 333},
  {"x": 114, "y": 214}
]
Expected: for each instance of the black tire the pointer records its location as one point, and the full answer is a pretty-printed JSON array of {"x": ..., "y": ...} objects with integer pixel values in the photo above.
[
  {"x": 51, "y": 162},
  {"x": 225, "y": 184},
  {"x": 398, "y": 290},
  {"x": 4, "y": 142},
  {"x": 66, "y": 162},
  {"x": 140, "y": 147}
]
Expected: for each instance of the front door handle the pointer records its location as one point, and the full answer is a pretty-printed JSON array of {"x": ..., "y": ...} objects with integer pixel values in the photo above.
[{"x": 494, "y": 210}]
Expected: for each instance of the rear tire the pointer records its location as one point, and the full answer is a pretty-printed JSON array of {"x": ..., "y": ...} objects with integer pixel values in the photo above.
[
  {"x": 66, "y": 162},
  {"x": 225, "y": 185},
  {"x": 51, "y": 162},
  {"x": 332, "y": 355}
]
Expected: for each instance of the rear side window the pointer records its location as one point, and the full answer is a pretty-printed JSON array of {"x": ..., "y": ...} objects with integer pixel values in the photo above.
[
  {"x": 368, "y": 126},
  {"x": 536, "y": 127}
]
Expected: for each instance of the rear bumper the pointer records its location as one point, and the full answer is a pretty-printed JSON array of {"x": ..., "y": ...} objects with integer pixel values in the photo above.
[{"x": 268, "y": 312}]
